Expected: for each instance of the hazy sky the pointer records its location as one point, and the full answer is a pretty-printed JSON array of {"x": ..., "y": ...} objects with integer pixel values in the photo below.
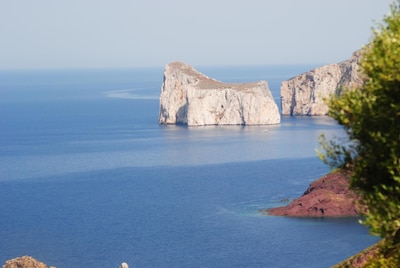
[{"x": 131, "y": 33}]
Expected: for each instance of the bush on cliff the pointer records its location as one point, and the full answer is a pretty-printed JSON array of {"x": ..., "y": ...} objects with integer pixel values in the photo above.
[{"x": 371, "y": 118}]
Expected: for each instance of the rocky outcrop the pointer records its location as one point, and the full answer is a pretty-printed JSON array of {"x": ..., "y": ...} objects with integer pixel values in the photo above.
[
  {"x": 304, "y": 94},
  {"x": 191, "y": 98},
  {"x": 25, "y": 262},
  {"x": 329, "y": 196}
]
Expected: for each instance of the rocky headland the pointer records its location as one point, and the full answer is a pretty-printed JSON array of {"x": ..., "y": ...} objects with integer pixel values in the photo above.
[
  {"x": 304, "y": 94},
  {"x": 329, "y": 196},
  {"x": 191, "y": 98}
]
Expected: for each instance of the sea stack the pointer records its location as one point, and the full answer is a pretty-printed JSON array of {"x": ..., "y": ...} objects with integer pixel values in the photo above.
[
  {"x": 304, "y": 94},
  {"x": 191, "y": 98}
]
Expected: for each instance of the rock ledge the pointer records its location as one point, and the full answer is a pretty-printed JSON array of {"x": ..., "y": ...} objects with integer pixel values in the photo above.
[{"x": 25, "y": 262}]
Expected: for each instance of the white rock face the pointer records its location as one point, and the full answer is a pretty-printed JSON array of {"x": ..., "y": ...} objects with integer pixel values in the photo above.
[
  {"x": 304, "y": 94},
  {"x": 191, "y": 98}
]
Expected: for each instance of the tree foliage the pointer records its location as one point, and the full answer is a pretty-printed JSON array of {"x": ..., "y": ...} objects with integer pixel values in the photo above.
[{"x": 370, "y": 116}]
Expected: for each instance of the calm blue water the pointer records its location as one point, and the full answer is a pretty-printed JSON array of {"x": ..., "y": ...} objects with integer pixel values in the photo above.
[{"x": 88, "y": 177}]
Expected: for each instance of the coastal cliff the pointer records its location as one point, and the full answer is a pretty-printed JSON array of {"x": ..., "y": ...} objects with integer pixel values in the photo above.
[
  {"x": 329, "y": 196},
  {"x": 191, "y": 98},
  {"x": 304, "y": 94}
]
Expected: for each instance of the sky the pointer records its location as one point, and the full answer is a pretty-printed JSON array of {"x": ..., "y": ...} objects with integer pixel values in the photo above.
[{"x": 53, "y": 34}]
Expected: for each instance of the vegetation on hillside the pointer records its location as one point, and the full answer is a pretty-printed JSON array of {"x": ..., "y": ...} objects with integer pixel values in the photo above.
[{"x": 370, "y": 116}]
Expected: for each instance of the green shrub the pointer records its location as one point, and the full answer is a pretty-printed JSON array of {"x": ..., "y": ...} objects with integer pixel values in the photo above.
[{"x": 370, "y": 116}]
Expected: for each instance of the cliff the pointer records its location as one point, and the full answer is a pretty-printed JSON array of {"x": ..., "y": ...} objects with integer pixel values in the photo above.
[
  {"x": 191, "y": 98},
  {"x": 304, "y": 94},
  {"x": 329, "y": 196}
]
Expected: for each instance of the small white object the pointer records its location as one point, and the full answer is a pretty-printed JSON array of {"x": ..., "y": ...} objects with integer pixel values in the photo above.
[{"x": 124, "y": 265}]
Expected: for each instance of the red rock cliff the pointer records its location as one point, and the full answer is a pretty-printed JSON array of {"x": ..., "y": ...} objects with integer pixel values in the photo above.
[{"x": 329, "y": 196}]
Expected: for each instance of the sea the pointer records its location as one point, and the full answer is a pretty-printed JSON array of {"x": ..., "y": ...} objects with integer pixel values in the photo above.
[{"x": 88, "y": 178}]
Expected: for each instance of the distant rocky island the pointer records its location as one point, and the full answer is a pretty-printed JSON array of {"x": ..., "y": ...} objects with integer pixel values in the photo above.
[
  {"x": 304, "y": 94},
  {"x": 191, "y": 98}
]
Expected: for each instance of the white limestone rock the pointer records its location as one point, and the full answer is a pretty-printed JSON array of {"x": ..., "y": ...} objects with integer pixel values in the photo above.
[
  {"x": 191, "y": 98},
  {"x": 304, "y": 94}
]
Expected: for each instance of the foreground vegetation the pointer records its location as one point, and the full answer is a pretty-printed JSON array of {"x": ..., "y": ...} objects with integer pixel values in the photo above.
[{"x": 370, "y": 116}]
